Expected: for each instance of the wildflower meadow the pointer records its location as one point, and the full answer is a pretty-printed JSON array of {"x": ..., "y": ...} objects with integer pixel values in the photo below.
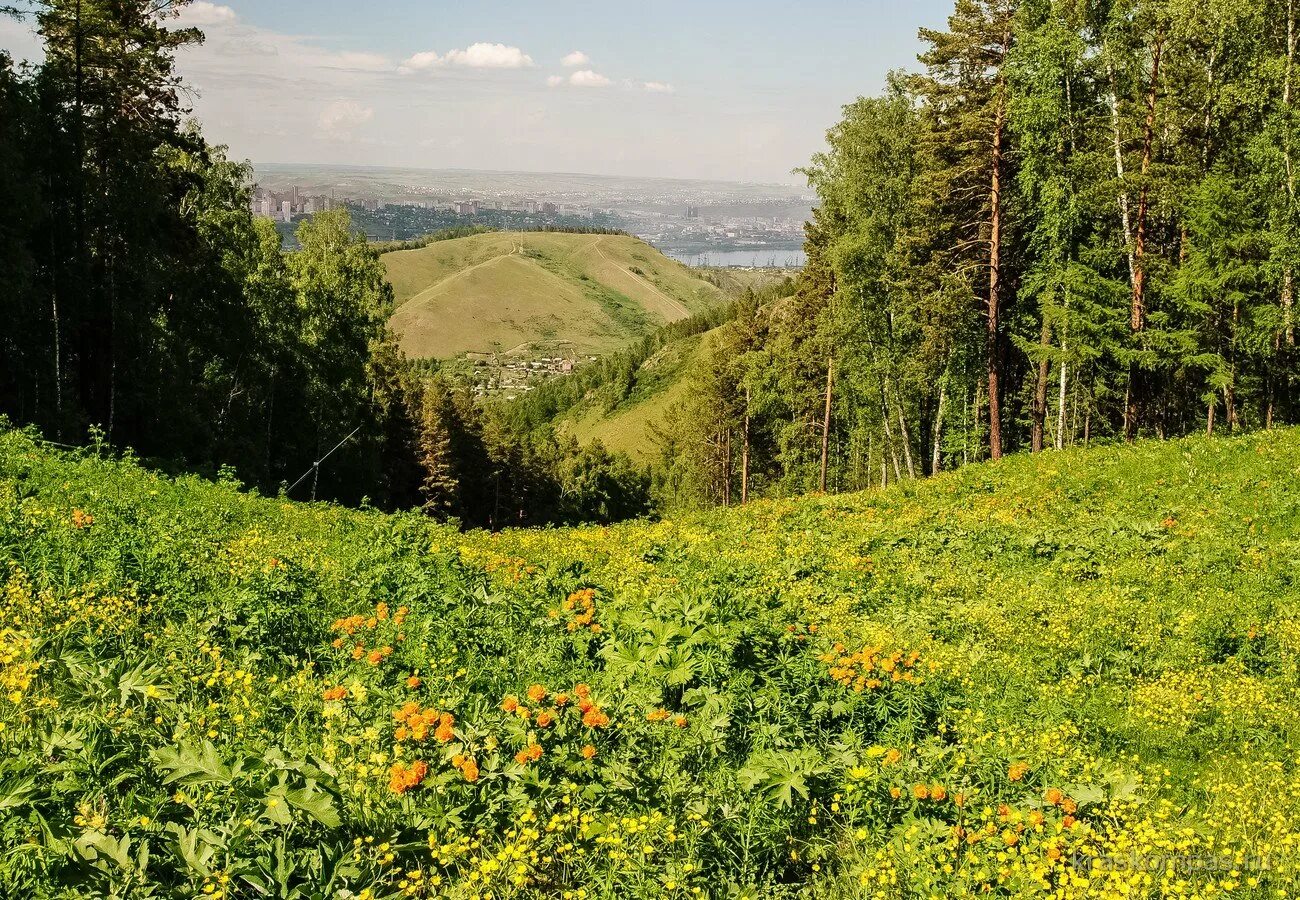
[{"x": 1069, "y": 676}]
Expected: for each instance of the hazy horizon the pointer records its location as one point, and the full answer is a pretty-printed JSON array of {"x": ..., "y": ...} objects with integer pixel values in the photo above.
[{"x": 723, "y": 92}]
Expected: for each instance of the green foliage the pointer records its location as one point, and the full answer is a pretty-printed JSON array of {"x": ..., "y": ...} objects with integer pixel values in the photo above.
[{"x": 1001, "y": 681}]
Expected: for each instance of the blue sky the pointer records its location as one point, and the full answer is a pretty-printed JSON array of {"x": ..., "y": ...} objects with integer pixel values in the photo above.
[{"x": 730, "y": 90}]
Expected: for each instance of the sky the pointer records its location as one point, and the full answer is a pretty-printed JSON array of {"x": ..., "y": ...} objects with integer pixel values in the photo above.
[{"x": 713, "y": 89}]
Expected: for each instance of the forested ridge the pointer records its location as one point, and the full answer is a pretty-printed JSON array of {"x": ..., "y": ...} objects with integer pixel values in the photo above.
[
  {"x": 1077, "y": 220},
  {"x": 146, "y": 308}
]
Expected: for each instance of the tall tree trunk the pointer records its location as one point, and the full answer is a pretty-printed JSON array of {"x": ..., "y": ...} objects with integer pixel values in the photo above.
[
  {"x": 726, "y": 468},
  {"x": 993, "y": 350},
  {"x": 889, "y": 435},
  {"x": 1124, "y": 216},
  {"x": 1039, "y": 425},
  {"x": 1209, "y": 417},
  {"x": 826, "y": 423},
  {"x": 1288, "y": 274},
  {"x": 905, "y": 436},
  {"x": 936, "y": 457},
  {"x": 1060, "y": 397},
  {"x": 744, "y": 455},
  {"x": 1137, "y": 308}
]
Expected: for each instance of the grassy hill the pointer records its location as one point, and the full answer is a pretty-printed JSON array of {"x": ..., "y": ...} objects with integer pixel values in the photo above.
[
  {"x": 527, "y": 292},
  {"x": 1070, "y": 675},
  {"x": 661, "y": 382}
]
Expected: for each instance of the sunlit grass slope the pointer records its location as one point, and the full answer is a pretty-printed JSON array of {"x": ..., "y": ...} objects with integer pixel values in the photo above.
[
  {"x": 1071, "y": 675},
  {"x": 512, "y": 291},
  {"x": 630, "y": 426}
]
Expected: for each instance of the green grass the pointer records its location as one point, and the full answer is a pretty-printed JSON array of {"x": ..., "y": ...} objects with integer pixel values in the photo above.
[
  {"x": 1021, "y": 679},
  {"x": 662, "y": 382},
  {"x": 507, "y": 291}
]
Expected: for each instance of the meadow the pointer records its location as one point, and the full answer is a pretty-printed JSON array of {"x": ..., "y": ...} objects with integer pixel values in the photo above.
[
  {"x": 507, "y": 291},
  {"x": 1067, "y": 675}
]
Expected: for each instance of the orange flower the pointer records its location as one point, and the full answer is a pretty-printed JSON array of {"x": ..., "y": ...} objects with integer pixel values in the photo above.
[
  {"x": 82, "y": 519},
  {"x": 413, "y": 682},
  {"x": 1017, "y": 771},
  {"x": 358, "y": 651},
  {"x": 561, "y": 699},
  {"x": 510, "y": 704},
  {"x": 582, "y": 690},
  {"x": 594, "y": 718},
  {"x": 530, "y": 753},
  {"x": 1035, "y": 817},
  {"x": 657, "y": 716},
  {"x": 335, "y": 693},
  {"x": 470, "y": 770},
  {"x": 1010, "y": 838},
  {"x": 588, "y": 751},
  {"x": 959, "y": 800},
  {"x": 1053, "y": 796},
  {"x": 1068, "y": 821},
  {"x": 920, "y": 792},
  {"x": 1069, "y": 806},
  {"x": 895, "y": 792},
  {"x": 402, "y": 778},
  {"x": 536, "y": 693},
  {"x": 1053, "y": 853},
  {"x": 400, "y": 733},
  {"x": 374, "y": 657},
  {"x": 679, "y": 721},
  {"x": 938, "y": 792},
  {"x": 544, "y": 719},
  {"x": 444, "y": 732}
]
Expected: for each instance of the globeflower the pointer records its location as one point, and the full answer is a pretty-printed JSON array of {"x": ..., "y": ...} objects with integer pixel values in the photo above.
[
  {"x": 536, "y": 693},
  {"x": 402, "y": 778},
  {"x": 335, "y": 693}
]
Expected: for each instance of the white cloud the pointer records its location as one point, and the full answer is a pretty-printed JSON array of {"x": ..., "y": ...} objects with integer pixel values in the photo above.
[
  {"x": 575, "y": 59},
  {"x": 588, "y": 78},
  {"x": 555, "y": 81},
  {"x": 341, "y": 117},
  {"x": 659, "y": 87},
  {"x": 421, "y": 61},
  {"x": 489, "y": 56},
  {"x": 201, "y": 14}
]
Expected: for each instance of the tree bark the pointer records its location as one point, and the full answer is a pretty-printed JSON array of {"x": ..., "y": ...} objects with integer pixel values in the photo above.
[
  {"x": 1060, "y": 397},
  {"x": 744, "y": 455},
  {"x": 1288, "y": 275},
  {"x": 993, "y": 350},
  {"x": 1137, "y": 307},
  {"x": 726, "y": 468},
  {"x": 905, "y": 436},
  {"x": 826, "y": 423},
  {"x": 1125, "y": 218},
  {"x": 1039, "y": 425},
  {"x": 936, "y": 459}
]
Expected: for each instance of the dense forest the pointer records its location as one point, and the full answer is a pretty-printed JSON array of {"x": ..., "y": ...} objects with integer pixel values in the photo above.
[
  {"x": 145, "y": 307},
  {"x": 1077, "y": 222}
]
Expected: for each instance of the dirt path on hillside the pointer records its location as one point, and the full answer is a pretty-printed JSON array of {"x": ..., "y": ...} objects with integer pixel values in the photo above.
[
  {"x": 515, "y": 250},
  {"x": 674, "y": 306}
]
